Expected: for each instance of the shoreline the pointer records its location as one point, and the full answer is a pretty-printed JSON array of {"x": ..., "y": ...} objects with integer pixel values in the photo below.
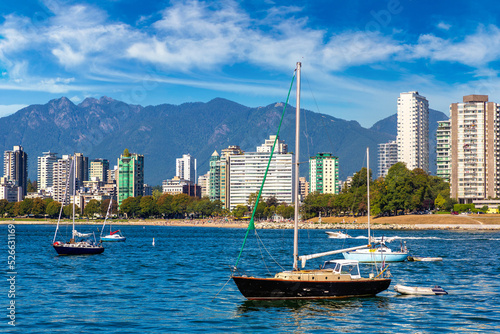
[{"x": 405, "y": 222}]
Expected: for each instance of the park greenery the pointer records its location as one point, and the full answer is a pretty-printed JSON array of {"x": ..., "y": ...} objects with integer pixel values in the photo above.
[{"x": 402, "y": 191}]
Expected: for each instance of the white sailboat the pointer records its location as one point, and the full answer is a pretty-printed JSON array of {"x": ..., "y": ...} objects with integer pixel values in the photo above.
[
  {"x": 335, "y": 279},
  {"x": 113, "y": 235},
  {"x": 79, "y": 244},
  {"x": 375, "y": 254}
]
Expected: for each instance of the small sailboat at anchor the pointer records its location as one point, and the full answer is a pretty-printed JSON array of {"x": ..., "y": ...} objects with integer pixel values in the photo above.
[
  {"x": 382, "y": 253},
  {"x": 335, "y": 278},
  {"x": 113, "y": 235},
  {"x": 80, "y": 243}
]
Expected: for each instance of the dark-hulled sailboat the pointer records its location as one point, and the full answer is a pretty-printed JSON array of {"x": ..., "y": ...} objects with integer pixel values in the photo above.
[
  {"x": 335, "y": 279},
  {"x": 80, "y": 243}
]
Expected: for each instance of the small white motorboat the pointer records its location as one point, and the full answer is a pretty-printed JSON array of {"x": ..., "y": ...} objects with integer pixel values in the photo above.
[
  {"x": 413, "y": 290},
  {"x": 424, "y": 259},
  {"x": 337, "y": 235}
]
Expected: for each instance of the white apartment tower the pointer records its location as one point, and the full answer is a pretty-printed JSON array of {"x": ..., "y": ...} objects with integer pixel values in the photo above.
[
  {"x": 246, "y": 172},
  {"x": 475, "y": 148},
  {"x": 46, "y": 170},
  {"x": 387, "y": 157},
  {"x": 63, "y": 184},
  {"x": 185, "y": 168},
  {"x": 413, "y": 130},
  {"x": 280, "y": 147}
]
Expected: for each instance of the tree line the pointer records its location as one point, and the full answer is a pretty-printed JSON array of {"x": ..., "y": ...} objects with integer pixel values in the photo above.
[{"x": 401, "y": 191}]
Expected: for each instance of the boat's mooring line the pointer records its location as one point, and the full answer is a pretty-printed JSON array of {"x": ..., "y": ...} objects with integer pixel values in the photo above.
[{"x": 221, "y": 288}]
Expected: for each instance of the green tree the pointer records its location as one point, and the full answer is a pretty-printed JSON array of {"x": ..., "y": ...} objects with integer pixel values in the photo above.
[
  {"x": 239, "y": 211},
  {"x": 440, "y": 202},
  {"x": 148, "y": 206},
  {"x": 272, "y": 201},
  {"x": 164, "y": 205},
  {"x": 4, "y": 207},
  {"x": 103, "y": 209},
  {"x": 17, "y": 210},
  {"x": 38, "y": 208},
  {"x": 180, "y": 203},
  {"x": 25, "y": 207},
  {"x": 68, "y": 210},
  {"x": 92, "y": 207},
  {"x": 31, "y": 186},
  {"x": 157, "y": 194},
  {"x": 252, "y": 199},
  {"x": 131, "y": 206},
  {"x": 52, "y": 209}
]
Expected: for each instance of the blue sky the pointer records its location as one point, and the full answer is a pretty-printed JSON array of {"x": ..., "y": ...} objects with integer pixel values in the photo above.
[{"x": 357, "y": 56}]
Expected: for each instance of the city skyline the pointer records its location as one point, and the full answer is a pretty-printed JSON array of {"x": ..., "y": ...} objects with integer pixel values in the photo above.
[{"x": 357, "y": 56}]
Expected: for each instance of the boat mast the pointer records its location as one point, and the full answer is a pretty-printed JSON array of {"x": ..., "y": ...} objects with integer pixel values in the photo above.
[
  {"x": 368, "y": 190},
  {"x": 74, "y": 197},
  {"x": 296, "y": 184}
]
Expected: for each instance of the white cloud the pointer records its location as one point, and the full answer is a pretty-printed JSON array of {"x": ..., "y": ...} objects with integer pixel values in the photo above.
[
  {"x": 474, "y": 50},
  {"x": 6, "y": 110},
  {"x": 444, "y": 26}
]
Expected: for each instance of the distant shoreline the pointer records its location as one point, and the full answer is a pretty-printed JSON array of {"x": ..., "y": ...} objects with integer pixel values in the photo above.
[{"x": 405, "y": 222}]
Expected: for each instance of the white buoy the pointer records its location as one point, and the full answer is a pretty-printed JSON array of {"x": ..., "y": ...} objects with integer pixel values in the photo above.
[{"x": 153, "y": 241}]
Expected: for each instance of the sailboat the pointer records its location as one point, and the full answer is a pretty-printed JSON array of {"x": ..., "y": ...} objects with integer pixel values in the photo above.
[
  {"x": 113, "y": 235},
  {"x": 335, "y": 278},
  {"x": 80, "y": 243},
  {"x": 375, "y": 254}
]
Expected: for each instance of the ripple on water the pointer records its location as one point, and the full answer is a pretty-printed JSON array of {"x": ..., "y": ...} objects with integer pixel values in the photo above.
[{"x": 137, "y": 288}]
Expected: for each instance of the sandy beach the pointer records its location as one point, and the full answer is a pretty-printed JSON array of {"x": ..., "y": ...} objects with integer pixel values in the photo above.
[{"x": 408, "y": 222}]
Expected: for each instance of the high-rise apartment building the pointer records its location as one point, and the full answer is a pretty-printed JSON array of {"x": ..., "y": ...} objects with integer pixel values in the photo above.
[
  {"x": 303, "y": 188},
  {"x": 246, "y": 172},
  {"x": 443, "y": 146},
  {"x": 45, "y": 171},
  {"x": 185, "y": 168},
  {"x": 15, "y": 167},
  {"x": 99, "y": 169},
  {"x": 81, "y": 169},
  {"x": 413, "y": 131},
  {"x": 204, "y": 183},
  {"x": 387, "y": 157},
  {"x": 214, "y": 181},
  {"x": 475, "y": 148},
  {"x": 62, "y": 186},
  {"x": 130, "y": 176},
  {"x": 281, "y": 147},
  {"x": 219, "y": 176},
  {"x": 324, "y": 173}
]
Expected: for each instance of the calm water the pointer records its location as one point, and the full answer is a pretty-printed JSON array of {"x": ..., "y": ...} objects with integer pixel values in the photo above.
[{"x": 134, "y": 287}]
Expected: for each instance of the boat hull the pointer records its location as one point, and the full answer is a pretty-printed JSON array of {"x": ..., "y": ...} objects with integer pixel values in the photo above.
[
  {"x": 273, "y": 289},
  {"x": 69, "y": 250},
  {"x": 111, "y": 238},
  {"x": 375, "y": 256}
]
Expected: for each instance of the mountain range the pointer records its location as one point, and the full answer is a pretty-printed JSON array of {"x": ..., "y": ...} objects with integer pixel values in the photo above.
[{"x": 103, "y": 128}]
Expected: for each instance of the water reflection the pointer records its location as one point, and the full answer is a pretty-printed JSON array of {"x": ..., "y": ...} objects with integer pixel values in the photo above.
[{"x": 323, "y": 306}]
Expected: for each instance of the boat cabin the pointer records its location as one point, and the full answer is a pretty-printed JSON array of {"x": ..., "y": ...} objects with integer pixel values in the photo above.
[{"x": 350, "y": 267}]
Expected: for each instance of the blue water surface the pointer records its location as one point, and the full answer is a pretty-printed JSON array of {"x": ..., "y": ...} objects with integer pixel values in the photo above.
[{"x": 179, "y": 285}]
